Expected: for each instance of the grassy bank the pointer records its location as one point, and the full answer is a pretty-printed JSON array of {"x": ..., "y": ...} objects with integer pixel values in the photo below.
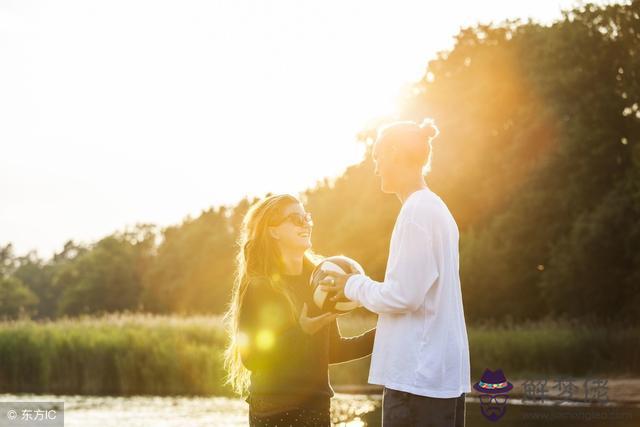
[
  {"x": 534, "y": 350},
  {"x": 144, "y": 354},
  {"x": 118, "y": 354}
]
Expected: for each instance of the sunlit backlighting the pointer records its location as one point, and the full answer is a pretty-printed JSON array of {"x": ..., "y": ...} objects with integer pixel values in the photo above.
[
  {"x": 249, "y": 97},
  {"x": 242, "y": 340},
  {"x": 265, "y": 339}
]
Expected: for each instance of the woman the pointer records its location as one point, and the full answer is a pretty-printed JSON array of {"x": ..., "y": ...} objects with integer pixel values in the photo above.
[{"x": 280, "y": 343}]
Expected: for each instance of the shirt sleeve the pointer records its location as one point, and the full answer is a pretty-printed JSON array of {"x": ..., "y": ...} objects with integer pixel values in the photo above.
[
  {"x": 344, "y": 349},
  {"x": 411, "y": 272}
]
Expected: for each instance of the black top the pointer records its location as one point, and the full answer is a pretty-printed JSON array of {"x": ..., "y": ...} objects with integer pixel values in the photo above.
[{"x": 284, "y": 360}]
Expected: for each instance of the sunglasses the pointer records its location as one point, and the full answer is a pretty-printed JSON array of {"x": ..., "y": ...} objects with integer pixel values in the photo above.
[{"x": 297, "y": 219}]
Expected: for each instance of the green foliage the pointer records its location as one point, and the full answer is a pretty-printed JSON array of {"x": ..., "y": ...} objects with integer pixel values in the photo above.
[
  {"x": 117, "y": 355},
  {"x": 192, "y": 271},
  {"x": 15, "y": 298},
  {"x": 173, "y": 355},
  {"x": 107, "y": 278},
  {"x": 538, "y": 159},
  {"x": 352, "y": 217}
]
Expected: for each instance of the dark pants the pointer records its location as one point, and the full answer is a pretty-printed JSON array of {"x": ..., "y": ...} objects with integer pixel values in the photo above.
[{"x": 400, "y": 408}]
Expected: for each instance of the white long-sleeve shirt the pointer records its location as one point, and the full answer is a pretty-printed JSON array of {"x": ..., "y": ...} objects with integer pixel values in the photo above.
[{"x": 421, "y": 344}]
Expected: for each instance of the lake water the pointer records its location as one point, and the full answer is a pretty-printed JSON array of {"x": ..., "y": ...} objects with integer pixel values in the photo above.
[{"x": 347, "y": 410}]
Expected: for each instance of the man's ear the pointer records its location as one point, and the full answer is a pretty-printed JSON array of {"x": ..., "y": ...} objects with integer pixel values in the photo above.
[{"x": 273, "y": 232}]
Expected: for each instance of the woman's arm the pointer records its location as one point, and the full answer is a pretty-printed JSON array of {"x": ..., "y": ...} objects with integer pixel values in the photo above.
[{"x": 343, "y": 349}]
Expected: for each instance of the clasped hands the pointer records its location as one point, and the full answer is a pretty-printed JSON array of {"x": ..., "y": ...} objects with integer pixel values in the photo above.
[{"x": 334, "y": 282}]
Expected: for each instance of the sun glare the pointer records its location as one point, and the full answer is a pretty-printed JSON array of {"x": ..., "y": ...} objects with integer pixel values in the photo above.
[
  {"x": 265, "y": 339},
  {"x": 197, "y": 104}
]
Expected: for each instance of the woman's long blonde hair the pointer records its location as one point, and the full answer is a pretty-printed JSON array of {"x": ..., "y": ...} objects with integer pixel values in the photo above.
[{"x": 258, "y": 257}]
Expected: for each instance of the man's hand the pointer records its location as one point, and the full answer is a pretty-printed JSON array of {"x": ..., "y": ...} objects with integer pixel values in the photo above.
[
  {"x": 311, "y": 325},
  {"x": 335, "y": 282}
]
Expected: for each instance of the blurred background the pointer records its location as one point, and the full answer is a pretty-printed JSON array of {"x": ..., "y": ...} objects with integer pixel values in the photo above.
[{"x": 135, "y": 135}]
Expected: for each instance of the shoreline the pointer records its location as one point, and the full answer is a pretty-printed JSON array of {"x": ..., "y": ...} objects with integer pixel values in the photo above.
[{"x": 623, "y": 391}]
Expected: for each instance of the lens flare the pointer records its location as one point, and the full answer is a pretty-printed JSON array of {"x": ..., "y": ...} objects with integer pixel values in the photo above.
[{"x": 265, "y": 339}]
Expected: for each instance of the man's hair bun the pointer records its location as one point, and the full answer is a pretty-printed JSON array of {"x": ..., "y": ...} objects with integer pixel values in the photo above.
[{"x": 429, "y": 128}]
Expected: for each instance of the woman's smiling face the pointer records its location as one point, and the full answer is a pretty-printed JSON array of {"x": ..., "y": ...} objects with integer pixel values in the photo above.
[{"x": 293, "y": 229}]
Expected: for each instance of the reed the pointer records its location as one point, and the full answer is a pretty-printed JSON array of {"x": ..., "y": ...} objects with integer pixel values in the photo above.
[{"x": 128, "y": 354}]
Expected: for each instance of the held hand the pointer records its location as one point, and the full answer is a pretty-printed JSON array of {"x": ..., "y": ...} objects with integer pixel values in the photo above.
[
  {"x": 311, "y": 325},
  {"x": 335, "y": 282}
]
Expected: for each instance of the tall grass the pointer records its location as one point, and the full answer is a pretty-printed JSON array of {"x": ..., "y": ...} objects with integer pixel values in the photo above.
[
  {"x": 115, "y": 354},
  {"x": 164, "y": 355},
  {"x": 546, "y": 349}
]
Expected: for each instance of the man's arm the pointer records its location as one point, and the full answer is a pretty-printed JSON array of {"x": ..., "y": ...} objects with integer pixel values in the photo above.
[
  {"x": 344, "y": 349},
  {"x": 407, "y": 280}
]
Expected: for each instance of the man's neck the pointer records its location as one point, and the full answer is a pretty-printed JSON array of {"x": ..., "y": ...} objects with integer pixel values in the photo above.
[{"x": 411, "y": 187}]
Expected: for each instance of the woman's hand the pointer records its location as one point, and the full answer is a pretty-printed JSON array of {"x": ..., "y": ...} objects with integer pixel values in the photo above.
[{"x": 311, "y": 325}]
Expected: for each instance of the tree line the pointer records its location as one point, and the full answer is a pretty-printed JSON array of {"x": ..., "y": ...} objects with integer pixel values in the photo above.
[{"x": 538, "y": 160}]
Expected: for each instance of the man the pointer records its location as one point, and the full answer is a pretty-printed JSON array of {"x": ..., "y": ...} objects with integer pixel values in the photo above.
[{"x": 421, "y": 351}]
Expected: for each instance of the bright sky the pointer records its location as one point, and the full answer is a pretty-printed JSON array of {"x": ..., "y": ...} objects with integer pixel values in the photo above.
[{"x": 118, "y": 112}]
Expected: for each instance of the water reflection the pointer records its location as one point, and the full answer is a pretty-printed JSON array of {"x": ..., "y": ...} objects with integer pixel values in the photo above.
[{"x": 347, "y": 410}]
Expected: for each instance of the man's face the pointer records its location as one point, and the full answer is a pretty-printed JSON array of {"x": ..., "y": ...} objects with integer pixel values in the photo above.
[{"x": 384, "y": 162}]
